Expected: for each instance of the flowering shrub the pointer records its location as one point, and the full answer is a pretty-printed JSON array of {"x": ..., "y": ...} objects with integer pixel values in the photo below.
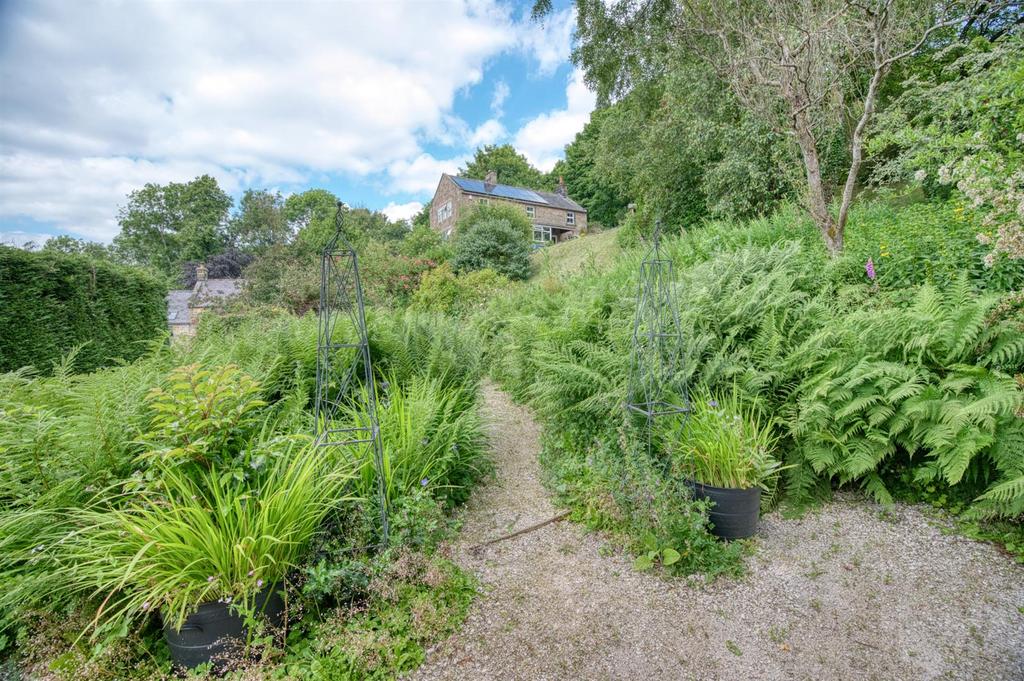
[
  {"x": 959, "y": 126},
  {"x": 995, "y": 189}
]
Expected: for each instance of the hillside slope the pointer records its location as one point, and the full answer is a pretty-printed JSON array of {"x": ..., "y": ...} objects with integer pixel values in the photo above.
[{"x": 591, "y": 250}]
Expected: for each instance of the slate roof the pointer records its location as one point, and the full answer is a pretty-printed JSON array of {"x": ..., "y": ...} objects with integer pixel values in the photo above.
[
  {"x": 205, "y": 293},
  {"x": 211, "y": 291},
  {"x": 506, "y": 191},
  {"x": 177, "y": 306}
]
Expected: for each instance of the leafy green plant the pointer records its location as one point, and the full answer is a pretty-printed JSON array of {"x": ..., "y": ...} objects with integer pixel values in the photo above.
[
  {"x": 493, "y": 238},
  {"x": 441, "y": 290},
  {"x": 197, "y": 539},
  {"x": 725, "y": 442},
  {"x": 432, "y": 437},
  {"x": 202, "y": 416}
]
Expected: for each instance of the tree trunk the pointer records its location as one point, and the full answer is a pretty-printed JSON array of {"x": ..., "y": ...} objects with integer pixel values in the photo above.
[
  {"x": 857, "y": 146},
  {"x": 817, "y": 197}
]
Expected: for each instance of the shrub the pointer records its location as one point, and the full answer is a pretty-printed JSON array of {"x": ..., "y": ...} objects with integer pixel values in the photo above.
[
  {"x": 443, "y": 291},
  {"x": 52, "y": 302},
  {"x": 390, "y": 278},
  {"x": 495, "y": 245},
  {"x": 432, "y": 437}
]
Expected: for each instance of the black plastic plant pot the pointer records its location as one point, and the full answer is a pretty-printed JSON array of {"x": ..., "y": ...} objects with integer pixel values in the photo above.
[
  {"x": 215, "y": 633},
  {"x": 735, "y": 512}
]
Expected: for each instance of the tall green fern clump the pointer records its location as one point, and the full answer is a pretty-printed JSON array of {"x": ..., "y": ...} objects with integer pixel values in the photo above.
[
  {"x": 870, "y": 382},
  {"x": 932, "y": 382}
]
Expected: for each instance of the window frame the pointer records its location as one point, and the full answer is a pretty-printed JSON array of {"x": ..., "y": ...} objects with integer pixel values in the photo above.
[
  {"x": 543, "y": 229},
  {"x": 531, "y": 212},
  {"x": 570, "y": 218},
  {"x": 444, "y": 211}
]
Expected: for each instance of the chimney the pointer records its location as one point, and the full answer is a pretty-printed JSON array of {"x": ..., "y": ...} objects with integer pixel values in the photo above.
[
  {"x": 561, "y": 187},
  {"x": 491, "y": 177}
]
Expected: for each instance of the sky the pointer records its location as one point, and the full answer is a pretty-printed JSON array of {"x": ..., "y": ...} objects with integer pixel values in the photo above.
[{"x": 370, "y": 99}]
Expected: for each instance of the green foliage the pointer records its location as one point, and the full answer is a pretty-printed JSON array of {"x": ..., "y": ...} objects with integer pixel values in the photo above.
[
  {"x": 260, "y": 221},
  {"x": 441, "y": 290},
  {"x": 856, "y": 375},
  {"x": 414, "y": 601},
  {"x": 959, "y": 124},
  {"x": 284, "y": 277},
  {"x": 203, "y": 416},
  {"x": 196, "y": 540},
  {"x": 72, "y": 246},
  {"x": 432, "y": 437},
  {"x": 725, "y": 443},
  {"x": 310, "y": 215},
  {"x": 390, "y": 278},
  {"x": 154, "y": 479},
  {"x": 163, "y": 225},
  {"x": 493, "y": 237},
  {"x": 684, "y": 150},
  {"x": 585, "y": 181},
  {"x": 511, "y": 166},
  {"x": 51, "y": 303},
  {"x": 424, "y": 242}
]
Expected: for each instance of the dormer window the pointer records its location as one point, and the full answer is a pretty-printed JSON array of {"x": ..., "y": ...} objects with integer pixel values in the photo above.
[{"x": 570, "y": 217}]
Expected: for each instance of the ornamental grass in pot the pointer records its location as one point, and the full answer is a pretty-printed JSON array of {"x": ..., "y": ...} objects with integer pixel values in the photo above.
[
  {"x": 725, "y": 451},
  {"x": 222, "y": 509}
]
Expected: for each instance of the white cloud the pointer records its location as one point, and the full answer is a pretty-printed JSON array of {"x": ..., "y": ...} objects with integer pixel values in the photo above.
[
  {"x": 501, "y": 93},
  {"x": 543, "y": 139},
  {"x": 550, "y": 42},
  {"x": 402, "y": 211},
  {"x": 99, "y": 98},
  {"x": 488, "y": 132},
  {"x": 81, "y": 195},
  {"x": 420, "y": 175}
]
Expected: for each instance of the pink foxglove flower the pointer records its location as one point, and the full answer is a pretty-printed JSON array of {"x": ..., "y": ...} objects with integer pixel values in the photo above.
[{"x": 869, "y": 267}]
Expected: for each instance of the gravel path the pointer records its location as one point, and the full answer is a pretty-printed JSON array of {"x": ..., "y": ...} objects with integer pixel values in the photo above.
[{"x": 848, "y": 592}]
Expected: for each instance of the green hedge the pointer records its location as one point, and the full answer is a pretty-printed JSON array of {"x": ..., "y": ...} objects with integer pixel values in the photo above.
[{"x": 52, "y": 302}]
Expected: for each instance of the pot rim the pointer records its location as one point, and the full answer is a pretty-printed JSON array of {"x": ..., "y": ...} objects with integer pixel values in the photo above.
[{"x": 723, "y": 489}]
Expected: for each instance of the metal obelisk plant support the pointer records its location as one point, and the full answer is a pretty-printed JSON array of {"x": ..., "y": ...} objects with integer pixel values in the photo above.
[
  {"x": 343, "y": 357},
  {"x": 657, "y": 385}
]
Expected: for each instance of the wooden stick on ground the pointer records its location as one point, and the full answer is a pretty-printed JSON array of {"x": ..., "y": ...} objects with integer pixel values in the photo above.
[{"x": 510, "y": 535}]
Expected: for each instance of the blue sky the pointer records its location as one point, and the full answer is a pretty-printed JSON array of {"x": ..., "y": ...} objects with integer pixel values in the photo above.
[{"x": 373, "y": 100}]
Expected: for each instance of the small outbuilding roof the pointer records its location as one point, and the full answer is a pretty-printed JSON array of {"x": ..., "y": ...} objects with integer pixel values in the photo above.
[
  {"x": 177, "y": 306},
  {"x": 206, "y": 293}
]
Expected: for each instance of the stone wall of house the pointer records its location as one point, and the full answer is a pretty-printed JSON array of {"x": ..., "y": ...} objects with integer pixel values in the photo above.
[
  {"x": 545, "y": 215},
  {"x": 447, "y": 190}
]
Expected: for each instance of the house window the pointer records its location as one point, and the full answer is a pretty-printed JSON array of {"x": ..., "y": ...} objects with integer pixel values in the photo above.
[
  {"x": 444, "y": 212},
  {"x": 570, "y": 217},
  {"x": 541, "y": 234},
  {"x": 484, "y": 202},
  {"x": 529, "y": 212}
]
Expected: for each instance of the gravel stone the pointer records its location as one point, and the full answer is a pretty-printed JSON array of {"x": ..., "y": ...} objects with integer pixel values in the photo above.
[{"x": 851, "y": 591}]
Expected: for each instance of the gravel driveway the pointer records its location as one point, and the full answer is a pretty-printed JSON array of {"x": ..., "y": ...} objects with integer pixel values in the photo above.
[{"x": 848, "y": 592}]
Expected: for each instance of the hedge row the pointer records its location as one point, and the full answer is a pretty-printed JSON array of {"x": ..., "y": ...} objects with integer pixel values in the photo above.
[{"x": 52, "y": 302}]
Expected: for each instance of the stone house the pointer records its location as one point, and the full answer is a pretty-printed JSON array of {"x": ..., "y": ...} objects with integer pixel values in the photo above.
[
  {"x": 185, "y": 305},
  {"x": 555, "y": 217}
]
